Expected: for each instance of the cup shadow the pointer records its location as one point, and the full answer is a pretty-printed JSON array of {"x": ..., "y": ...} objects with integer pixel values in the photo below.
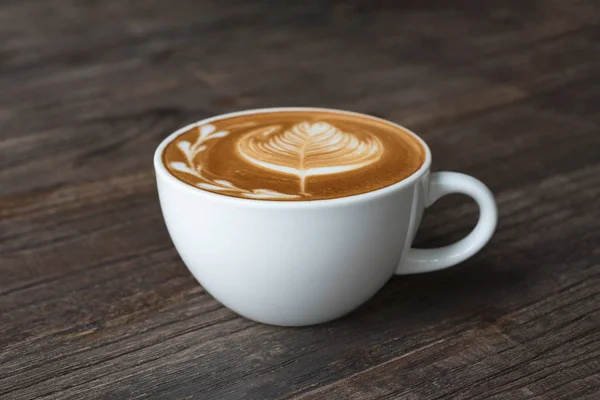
[{"x": 477, "y": 289}]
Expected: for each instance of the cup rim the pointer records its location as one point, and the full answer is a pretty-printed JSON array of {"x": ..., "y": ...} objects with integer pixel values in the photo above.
[{"x": 161, "y": 170}]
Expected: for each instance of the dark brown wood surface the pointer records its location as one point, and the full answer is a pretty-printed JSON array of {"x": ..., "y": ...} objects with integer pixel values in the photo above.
[{"x": 94, "y": 300}]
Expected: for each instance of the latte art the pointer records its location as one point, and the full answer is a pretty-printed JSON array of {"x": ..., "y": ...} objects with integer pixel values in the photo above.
[
  {"x": 308, "y": 149},
  {"x": 293, "y": 155}
]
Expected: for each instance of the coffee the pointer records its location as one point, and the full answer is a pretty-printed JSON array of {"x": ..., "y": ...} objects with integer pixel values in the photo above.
[{"x": 294, "y": 155}]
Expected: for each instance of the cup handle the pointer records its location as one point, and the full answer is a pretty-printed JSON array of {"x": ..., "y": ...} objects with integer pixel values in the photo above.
[{"x": 441, "y": 184}]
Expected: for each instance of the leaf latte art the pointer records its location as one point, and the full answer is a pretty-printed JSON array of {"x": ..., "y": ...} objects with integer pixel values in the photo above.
[
  {"x": 292, "y": 155},
  {"x": 308, "y": 149}
]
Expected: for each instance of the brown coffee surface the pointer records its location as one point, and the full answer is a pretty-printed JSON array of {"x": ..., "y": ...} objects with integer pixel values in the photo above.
[{"x": 293, "y": 155}]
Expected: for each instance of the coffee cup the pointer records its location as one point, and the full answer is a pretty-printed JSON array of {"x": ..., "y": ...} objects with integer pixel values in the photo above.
[{"x": 295, "y": 216}]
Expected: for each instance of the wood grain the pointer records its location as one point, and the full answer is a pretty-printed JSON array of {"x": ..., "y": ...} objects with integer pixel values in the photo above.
[{"x": 94, "y": 301}]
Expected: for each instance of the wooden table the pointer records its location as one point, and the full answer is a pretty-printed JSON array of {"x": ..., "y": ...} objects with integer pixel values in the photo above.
[{"x": 94, "y": 300}]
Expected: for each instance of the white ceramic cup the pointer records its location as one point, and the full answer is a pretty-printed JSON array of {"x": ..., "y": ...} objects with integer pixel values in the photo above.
[{"x": 307, "y": 262}]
